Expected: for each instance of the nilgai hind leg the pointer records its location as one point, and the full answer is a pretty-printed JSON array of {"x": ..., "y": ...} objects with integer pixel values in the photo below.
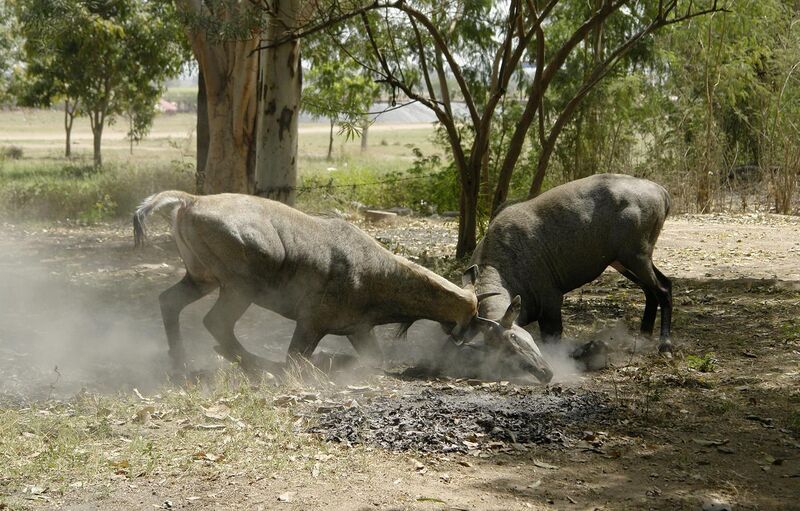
[
  {"x": 658, "y": 293},
  {"x": 173, "y": 301}
]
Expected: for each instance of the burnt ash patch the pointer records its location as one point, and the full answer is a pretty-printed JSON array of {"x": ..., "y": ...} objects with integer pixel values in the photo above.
[{"x": 464, "y": 420}]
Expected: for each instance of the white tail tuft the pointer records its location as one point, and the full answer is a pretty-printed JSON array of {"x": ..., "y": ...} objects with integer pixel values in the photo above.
[{"x": 172, "y": 199}]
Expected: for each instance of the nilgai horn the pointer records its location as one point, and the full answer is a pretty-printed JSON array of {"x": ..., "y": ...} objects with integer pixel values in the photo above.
[
  {"x": 327, "y": 275},
  {"x": 542, "y": 248}
]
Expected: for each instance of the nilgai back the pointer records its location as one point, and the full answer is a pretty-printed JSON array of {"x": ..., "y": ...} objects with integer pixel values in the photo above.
[
  {"x": 542, "y": 248},
  {"x": 326, "y": 274}
]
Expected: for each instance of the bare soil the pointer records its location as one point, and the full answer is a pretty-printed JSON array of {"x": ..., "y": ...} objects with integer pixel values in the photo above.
[{"x": 719, "y": 421}]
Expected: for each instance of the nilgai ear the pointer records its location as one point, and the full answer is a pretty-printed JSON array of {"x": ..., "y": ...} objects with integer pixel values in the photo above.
[
  {"x": 512, "y": 313},
  {"x": 470, "y": 276}
]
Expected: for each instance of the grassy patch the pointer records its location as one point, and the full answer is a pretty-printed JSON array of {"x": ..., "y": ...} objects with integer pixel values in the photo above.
[
  {"x": 228, "y": 426},
  {"x": 33, "y": 190},
  {"x": 705, "y": 364}
]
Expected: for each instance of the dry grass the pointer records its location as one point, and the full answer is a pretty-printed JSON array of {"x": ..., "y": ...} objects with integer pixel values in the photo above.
[{"x": 206, "y": 430}]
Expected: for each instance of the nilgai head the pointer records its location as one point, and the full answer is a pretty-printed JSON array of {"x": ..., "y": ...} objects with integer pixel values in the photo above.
[{"x": 512, "y": 341}]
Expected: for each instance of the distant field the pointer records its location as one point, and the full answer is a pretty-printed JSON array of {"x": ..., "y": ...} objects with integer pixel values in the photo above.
[{"x": 40, "y": 134}]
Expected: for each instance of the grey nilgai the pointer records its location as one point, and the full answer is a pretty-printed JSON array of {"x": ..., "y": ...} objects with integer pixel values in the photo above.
[
  {"x": 326, "y": 274},
  {"x": 536, "y": 251}
]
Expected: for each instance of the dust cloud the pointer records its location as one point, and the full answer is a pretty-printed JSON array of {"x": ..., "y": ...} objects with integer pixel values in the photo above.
[
  {"x": 58, "y": 337},
  {"x": 73, "y": 319}
]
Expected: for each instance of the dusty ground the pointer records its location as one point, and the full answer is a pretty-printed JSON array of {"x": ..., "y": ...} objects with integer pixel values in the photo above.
[{"x": 719, "y": 421}]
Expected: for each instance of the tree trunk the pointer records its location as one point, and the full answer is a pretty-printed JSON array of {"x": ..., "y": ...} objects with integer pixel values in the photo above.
[
  {"x": 69, "y": 116},
  {"x": 229, "y": 71},
  {"x": 364, "y": 133},
  {"x": 230, "y": 102},
  {"x": 97, "y": 135},
  {"x": 279, "y": 88},
  {"x": 97, "y": 121},
  {"x": 468, "y": 216},
  {"x": 202, "y": 133},
  {"x": 227, "y": 159},
  {"x": 330, "y": 141}
]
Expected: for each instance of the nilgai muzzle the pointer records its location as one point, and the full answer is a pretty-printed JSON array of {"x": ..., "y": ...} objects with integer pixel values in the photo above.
[
  {"x": 536, "y": 251},
  {"x": 326, "y": 274}
]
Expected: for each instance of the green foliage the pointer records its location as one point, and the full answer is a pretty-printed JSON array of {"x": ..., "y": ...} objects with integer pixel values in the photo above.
[
  {"x": 705, "y": 364},
  {"x": 338, "y": 89},
  {"x": 111, "y": 57},
  {"x": 79, "y": 192},
  {"x": 426, "y": 187},
  {"x": 9, "y": 51}
]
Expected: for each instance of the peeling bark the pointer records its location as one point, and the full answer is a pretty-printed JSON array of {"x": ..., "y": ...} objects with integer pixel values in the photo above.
[{"x": 280, "y": 80}]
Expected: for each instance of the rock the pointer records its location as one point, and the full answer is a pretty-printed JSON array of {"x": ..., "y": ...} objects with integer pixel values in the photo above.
[
  {"x": 400, "y": 211},
  {"x": 716, "y": 505},
  {"x": 593, "y": 355},
  {"x": 374, "y": 215}
]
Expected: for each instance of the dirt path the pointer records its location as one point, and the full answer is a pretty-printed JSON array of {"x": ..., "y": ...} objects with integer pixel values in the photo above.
[{"x": 719, "y": 421}]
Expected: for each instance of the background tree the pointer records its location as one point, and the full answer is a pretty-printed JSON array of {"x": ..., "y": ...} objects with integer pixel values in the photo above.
[
  {"x": 10, "y": 47},
  {"x": 468, "y": 50},
  {"x": 339, "y": 90},
  {"x": 106, "y": 56}
]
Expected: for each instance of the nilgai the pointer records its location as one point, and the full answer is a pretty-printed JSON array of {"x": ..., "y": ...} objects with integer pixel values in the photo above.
[
  {"x": 326, "y": 274},
  {"x": 536, "y": 251}
]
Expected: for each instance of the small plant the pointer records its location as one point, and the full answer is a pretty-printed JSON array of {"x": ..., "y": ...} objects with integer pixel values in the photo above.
[
  {"x": 704, "y": 364},
  {"x": 11, "y": 152},
  {"x": 103, "y": 209},
  {"x": 81, "y": 171}
]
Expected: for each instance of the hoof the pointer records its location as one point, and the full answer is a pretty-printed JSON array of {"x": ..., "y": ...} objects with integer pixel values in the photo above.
[
  {"x": 665, "y": 349},
  {"x": 252, "y": 365}
]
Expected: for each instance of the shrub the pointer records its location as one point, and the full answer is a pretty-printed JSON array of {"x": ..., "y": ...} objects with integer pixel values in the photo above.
[
  {"x": 75, "y": 193},
  {"x": 11, "y": 152}
]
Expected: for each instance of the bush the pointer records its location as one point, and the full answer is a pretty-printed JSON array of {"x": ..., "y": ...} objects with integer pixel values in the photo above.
[
  {"x": 74, "y": 193},
  {"x": 11, "y": 152},
  {"x": 427, "y": 187}
]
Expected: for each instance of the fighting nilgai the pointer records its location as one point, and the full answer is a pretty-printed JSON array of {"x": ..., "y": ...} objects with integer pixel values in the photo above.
[
  {"x": 326, "y": 274},
  {"x": 542, "y": 248}
]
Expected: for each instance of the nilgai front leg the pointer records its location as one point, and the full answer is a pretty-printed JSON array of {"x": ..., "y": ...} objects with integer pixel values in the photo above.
[
  {"x": 367, "y": 346},
  {"x": 172, "y": 302},
  {"x": 304, "y": 340}
]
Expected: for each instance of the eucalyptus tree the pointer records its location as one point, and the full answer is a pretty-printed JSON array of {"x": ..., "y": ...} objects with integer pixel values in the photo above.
[{"x": 224, "y": 35}]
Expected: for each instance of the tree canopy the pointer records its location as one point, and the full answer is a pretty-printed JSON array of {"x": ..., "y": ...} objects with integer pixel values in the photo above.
[{"x": 109, "y": 57}]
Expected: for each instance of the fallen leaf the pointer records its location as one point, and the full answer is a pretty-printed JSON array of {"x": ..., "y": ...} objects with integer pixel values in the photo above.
[
  {"x": 286, "y": 497},
  {"x": 710, "y": 443},
  {"x": 210, "y": 426},
  {"x": 430, "y": 499},
  {"x": 207, "y": 456},
  {"x": 143, "y": 415},
  {"x": 284, "y": 400},
  {"x": 219, "y": 411},
  {"x": 542, "y": 464}
]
